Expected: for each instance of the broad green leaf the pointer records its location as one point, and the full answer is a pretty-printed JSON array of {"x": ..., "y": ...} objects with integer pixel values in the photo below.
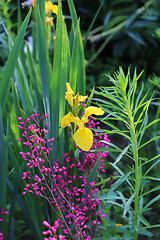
[
  {"x": 81, "y": 77},
  {"x": 74, "y": 61},
  {"x": 61, "y": 68},
  {"x": 11, "y": 235}
]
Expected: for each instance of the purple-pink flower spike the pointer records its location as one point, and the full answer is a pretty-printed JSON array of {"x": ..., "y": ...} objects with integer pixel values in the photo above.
[{"x": 70, "y": 193}]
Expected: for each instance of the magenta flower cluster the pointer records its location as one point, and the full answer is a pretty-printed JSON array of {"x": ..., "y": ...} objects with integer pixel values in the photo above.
[
  {"x": 99, "y": 142},
  {"x": 52, "y": 231},
  {"x": 65, "y": 186},
  {"x": 1, "y": 220}
]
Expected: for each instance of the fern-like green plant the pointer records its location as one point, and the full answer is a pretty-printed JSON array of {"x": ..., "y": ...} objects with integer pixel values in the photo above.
[{"x": 121, "y": 103}]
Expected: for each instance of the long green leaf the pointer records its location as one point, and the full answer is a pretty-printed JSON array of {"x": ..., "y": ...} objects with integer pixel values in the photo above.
[
  {"x": 3, "y": 169},
  {"x": 61, "y": 68},
  {"x": 9, "y": 69},
  {"x": 128, "y": 204},
  {"x": 43, "y": 61},
  {"x": 151, "y": 202},
  {"x": 73, "y": 13},
  {"x": 30, "y": 215},
  {"x": 35, "y": 81}
]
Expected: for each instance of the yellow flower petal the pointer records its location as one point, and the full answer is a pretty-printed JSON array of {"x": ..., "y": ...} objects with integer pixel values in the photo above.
[
  {"x": 66, "y": 120},
  {"x": 84, "y": 138},
  {"x": 49, "y": 6},
  {"x": 80, "y": 98},
  {"x": 55, "y": 9},
  {"x": 69, "y": 98},
  {"x": 93, "y": 110},
  {"x": 77, "y": 98},
  {"x": 69, "y": 94},
  {"x": 76, "y": 120},
  {"x": 69, "y": 89}
]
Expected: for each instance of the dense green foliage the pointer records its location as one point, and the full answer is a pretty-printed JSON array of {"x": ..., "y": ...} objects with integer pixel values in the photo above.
[{"x": 94, "y": 39}]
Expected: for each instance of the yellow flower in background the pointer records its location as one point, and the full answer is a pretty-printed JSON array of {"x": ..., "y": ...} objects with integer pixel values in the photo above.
[
  {"x": 118, "y": 224},
  {"x": 83, "y": 135},
  {"x": 49, "y": 6}
]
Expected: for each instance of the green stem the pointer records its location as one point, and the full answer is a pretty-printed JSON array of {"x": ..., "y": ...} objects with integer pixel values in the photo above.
[{"x": 135, "y": 153}]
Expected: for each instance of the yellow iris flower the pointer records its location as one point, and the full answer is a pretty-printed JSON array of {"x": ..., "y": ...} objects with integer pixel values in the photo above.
[
  {"x": 83, "y": 136},
  {"x": 49, "y": 6},
  {"x": 69, "y": 96}
]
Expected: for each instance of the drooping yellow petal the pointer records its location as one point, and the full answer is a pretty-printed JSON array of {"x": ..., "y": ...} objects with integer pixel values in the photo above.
[
  {"x": 66, "y": 120},
  {"x": 92, "y": 110},
  {"x": 69, "y": 89},
  {"x": 69, "y": 98},
  {"x": 84, "y": 138},
  {"x": 55, "y": 9}
]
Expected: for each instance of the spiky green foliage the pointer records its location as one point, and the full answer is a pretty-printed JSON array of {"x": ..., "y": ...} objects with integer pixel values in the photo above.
[{"x": 123, "y": 105}]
